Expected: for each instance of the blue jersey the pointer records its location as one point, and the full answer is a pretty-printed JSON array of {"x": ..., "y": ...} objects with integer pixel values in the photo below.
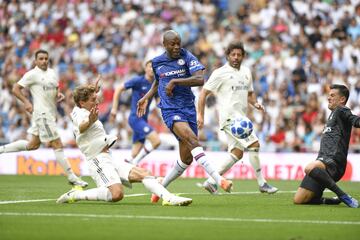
[
  {"x": 140, "y": 86},
  {"x": 166, "y": 69}
]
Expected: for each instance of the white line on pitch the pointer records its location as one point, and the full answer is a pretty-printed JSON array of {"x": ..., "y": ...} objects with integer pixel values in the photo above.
[
  {"x": 177, "y": 218},
  {"x": 137, "y": 195}
]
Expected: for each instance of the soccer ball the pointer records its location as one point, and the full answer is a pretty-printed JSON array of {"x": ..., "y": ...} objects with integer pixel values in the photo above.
[{"x": 241, "y": 127}]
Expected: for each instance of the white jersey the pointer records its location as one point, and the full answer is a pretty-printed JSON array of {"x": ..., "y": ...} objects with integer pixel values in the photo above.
[
  {"x": 231, "y": 87},
  {"x": 43, "y": 86},
  {"x": 94, "y": 139}
]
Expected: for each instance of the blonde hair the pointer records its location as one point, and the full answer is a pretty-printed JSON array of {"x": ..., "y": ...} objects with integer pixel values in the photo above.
[{"x": 82, "y": 93}]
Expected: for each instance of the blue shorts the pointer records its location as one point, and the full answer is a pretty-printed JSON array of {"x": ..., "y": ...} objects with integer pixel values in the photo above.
[
  {"x": 186, "y": 114},
  {"x": 140, "y": 129}
]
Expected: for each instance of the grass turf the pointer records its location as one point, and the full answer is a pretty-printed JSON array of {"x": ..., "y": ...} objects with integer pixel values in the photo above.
[{"x": 246, "y": 214}]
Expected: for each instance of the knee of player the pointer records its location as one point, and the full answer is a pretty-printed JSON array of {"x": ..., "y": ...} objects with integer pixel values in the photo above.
[
  {"x": 156, "y": 143},
  {"x": 297, "y": 200},
  {"x": 32, "y": 146},
  {"x": 117, "y": 195}
]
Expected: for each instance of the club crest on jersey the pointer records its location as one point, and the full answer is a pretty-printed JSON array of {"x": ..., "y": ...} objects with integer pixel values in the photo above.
[
  {"x": 176, "y": 117},
  {"x": 326, "y": 129},
  {"x": 181, "y": 62},
  {"x": 146, "y": 129}
]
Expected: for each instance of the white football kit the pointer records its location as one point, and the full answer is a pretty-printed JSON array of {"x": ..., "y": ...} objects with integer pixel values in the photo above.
[
  {"x": 231, "y": 87},
  {"x": 92, "y": 142},
  {"x": 43, "y": 86}
]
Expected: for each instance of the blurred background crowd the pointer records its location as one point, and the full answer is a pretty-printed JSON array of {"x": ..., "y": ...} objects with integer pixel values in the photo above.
[{"x": 295, "y": 49}]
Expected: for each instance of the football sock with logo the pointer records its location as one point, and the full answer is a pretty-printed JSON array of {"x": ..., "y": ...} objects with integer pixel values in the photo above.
[
  {"x": 255, "y": 163},
  {"x": 153, "y": 185},
  {"x": 200, "y": 157},
  {"x": 94, "y": 194},
  {"x": 145, "y": 150},
  {"x": 178, "y": 169},
  {"x": 60, "y": 158},
  {"x": 322, "y": 177},
  {"x": 17, "y": 146}
]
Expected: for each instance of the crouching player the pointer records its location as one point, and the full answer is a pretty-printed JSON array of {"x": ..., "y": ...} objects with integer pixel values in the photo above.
[{"x": 108, "y": 175}]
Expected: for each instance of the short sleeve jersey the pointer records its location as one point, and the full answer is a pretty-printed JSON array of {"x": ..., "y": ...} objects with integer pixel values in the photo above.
[
  {"x": 140, "y": 86},
  {"x": 231, "y": 87},
  {"x": 43, "y": 86},
  {"x": 165, "y": 69},
  {"x": 91, "y": 142}
]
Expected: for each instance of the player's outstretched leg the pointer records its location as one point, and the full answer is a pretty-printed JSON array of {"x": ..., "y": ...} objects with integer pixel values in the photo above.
[{"x": 325, "y": 180}]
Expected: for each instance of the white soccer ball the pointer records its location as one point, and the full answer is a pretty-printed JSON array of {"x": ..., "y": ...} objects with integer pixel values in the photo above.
[{"x": 241, "y": 127}]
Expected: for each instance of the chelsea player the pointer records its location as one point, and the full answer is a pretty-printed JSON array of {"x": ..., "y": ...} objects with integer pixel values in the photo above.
[{"x": 176, "y": 71}]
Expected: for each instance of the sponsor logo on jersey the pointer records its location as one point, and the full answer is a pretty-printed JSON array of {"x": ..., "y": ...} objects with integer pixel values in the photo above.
[
  {"x": 179, "y": 72},
  {"x": 181, "y": 62}
]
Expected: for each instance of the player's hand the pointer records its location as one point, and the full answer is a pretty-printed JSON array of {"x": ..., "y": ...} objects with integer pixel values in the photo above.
[
  {"x": 60, "y": 97},
  {"x": 112, "y": 116},
  {"x": 169, "y": 88},
  {"x": 200, "y": 121},
  {"x": 94, "y": 114},
  {"x": 259, "y": 107},
  {"x": 141, "y": 107},
  {"x": 97, "y": 85},
  {"x": 28, "y": 107}
]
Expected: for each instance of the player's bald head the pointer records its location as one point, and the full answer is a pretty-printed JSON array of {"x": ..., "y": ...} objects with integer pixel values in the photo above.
[{"x": 170, "y": 35}]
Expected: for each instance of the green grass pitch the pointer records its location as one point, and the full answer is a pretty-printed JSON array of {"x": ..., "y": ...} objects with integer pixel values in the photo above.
[{"x": 244, "y": 214}]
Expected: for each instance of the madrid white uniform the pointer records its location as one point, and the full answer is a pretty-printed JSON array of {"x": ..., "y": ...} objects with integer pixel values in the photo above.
[
  {"x": 103, "y": 169},
  {"x": 43, "y": 86},
  {"x": 231, "y": 87}
]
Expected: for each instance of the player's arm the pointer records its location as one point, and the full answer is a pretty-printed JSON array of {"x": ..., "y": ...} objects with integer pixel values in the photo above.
[
  {"x": 253, "y": 102},
  {"x": 60, "y": 97},
  {"x": 86, "y": 124},
  {"x": 143, "y": 102},
  {"x": 353, "y": 119},
  {"x": 197, "y": 79},
  {"x": 17, "y": 91},
  {"x": 115, "y": 103},
  {"x": 201, "y": 107}
]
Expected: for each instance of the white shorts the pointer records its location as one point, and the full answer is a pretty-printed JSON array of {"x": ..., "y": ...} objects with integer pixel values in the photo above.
[
  {"x": 106, "y": 172},
  {"x": 241, "y": 144},
  {"x": 44, "y": 126}
]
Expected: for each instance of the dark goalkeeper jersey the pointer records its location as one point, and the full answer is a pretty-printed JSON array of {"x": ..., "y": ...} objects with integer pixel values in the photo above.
[{"x": 336, "y": 135}]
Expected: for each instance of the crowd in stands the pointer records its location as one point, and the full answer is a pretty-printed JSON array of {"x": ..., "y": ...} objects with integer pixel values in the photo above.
[{"x": 295, "y": 49}]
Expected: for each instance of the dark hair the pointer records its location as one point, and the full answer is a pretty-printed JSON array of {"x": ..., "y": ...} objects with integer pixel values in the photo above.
[
  {"x": 82, "y": 93},
  {"x": 40, "y": 51},
  {"x": 235, "y": 45},
  {"x": 343, "y": 90}
]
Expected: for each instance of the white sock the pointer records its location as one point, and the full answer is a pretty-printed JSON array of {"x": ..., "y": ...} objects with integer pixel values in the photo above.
[
  {"x": 200, "y": 157},
  {"x": 145, "y": 150},
  {"x": 17, "y": 146},
  {"x": 94, "y": 194},
  {"x": 178, "y": 169},
  {"x": 60, "y": 158},
  {"x": 255, "y": 163},
  {"x": 223, "y": 165},
  {"x": 153, "y": 185}
]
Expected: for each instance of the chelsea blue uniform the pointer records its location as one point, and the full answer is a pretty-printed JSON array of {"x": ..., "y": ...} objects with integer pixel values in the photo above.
[
  {"x": 180, "y": 107},
  {"x": 140, "y": 86}
]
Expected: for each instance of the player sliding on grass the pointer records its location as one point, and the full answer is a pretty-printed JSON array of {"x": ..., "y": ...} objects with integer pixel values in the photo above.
[
  {"x": 330, "y": 165},
  {"x": 108, "y": 175},
  {"x": 43, "y": 84},
  {"x": 176, "y": 71}
]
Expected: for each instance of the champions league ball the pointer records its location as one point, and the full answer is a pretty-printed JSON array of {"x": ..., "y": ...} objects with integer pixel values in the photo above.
[{"x": 241, "y": 127}]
